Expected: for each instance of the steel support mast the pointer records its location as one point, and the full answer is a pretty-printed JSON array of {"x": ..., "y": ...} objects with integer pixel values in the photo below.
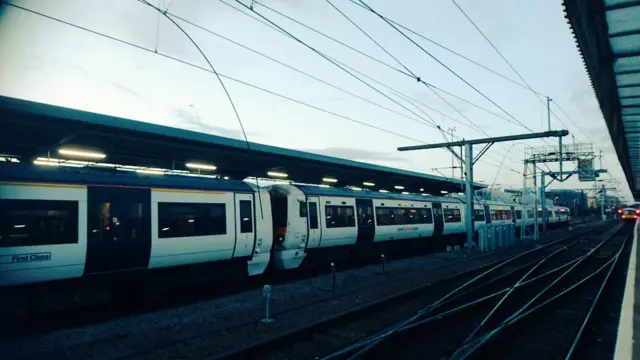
[{"x": 470, "y": 161}]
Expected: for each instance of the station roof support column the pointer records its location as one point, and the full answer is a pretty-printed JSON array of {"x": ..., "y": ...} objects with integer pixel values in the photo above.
[{"x": 469, "y": 161}]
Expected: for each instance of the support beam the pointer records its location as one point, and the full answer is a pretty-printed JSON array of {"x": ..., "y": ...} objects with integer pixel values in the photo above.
[
  {"x": 555, "y": 133},
  {"x": 468, "y": 219},
  {"x": 469, "y": 161}
]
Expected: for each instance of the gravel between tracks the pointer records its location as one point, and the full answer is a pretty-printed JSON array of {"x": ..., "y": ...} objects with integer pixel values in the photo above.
[{"x": 219, "y": 325}]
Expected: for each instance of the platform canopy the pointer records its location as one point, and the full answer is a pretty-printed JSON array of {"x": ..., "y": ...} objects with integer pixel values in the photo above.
[
  {"x": 31, "y": 130},
  {"x": 608, "y": 36}
]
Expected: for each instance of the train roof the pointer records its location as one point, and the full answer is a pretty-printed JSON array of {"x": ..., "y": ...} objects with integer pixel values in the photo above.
[
  {"x": 94, "y": 176},
  {"x": 321, "y": 191},
  {"x": 32, "y": 129}
]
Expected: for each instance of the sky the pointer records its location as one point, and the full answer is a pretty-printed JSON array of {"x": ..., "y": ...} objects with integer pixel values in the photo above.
[{"x": 319, "y": 107}]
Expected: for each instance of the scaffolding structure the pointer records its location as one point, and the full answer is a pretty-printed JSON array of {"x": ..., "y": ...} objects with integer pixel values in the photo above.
[{"x": 571, "y": 159}]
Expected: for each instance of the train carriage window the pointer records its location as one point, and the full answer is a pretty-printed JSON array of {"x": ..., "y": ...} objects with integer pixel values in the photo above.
[
  {"x": 500, "y": 214},
  {"x": 365, "y": 216},
  {"x": 452, "y": 215},
  {"x": 191, "y": 219},
  {"x": 478, "y": 215},
  {"x": 518, "y": 214},
  {"x": 403, "y": 216},
  {"x": 383, "y": 216},
  {"x": 400, "y": 216},
  {"x": 278, "y": 212},
  {"x": 303, "y": 209},
  {"x": 339, "y": 216},
  {"x": 313, "y": 215},
  {"x": 246, "y": 214},
  {"x": 426, "y": 217},
  {"x": 413, "y": 217},
  {"x": 530, "y": 214},
  {"x": 38, "y": 222},
  {"x": 124, "y": 223}
]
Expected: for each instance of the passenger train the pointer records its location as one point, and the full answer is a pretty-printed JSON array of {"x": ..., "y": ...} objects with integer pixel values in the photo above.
[{"x": 61, "y": 223}]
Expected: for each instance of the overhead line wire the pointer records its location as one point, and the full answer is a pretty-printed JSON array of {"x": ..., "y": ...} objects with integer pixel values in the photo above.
[
  {"x": 296, "y": 69},
  {"x": 502, "y": 56},
  {"x": 444, "y": 65},
  {"x": 369, "y": 56},
  {"x": 280, "y": 30},
  {"x": 139, "y": 47},
  {"x": 329, "y": 37},
  {"x": 573, "y": 122},
  {"x": 151, "y": 51},
  {"x": 330, "y": 60},
  {"x": 372, "y": 39},
  {"x": 233, "y": 106},
  {"x": 445, "y": 47},
  {"x": 409, "y": 70},
  {"x": 536, "y": 93}
]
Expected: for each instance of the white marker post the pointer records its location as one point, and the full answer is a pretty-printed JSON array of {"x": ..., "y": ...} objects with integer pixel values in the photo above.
[{"x": 266, "y": 292}]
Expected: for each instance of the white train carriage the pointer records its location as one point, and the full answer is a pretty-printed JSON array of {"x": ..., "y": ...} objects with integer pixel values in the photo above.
[
  {"x": 563, "y": 214},
  {"x": 342, "y": 222},
  {"x": 62, "y": 224}
]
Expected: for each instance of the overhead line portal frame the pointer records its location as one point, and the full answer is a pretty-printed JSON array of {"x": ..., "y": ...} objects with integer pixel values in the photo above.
[{"x": 469, "y": 161}]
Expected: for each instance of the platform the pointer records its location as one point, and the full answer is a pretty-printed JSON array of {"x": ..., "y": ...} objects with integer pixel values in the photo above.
[{"x": 629, "y": 327}]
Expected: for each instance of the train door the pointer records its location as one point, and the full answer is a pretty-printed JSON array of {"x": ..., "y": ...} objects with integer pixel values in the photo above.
[
  {"x": 118, "y": 229},
  {"x": 487, "y": 214},
  {"x": 366, "y": 224},
  {"x": 513, "y": 214},
  {"x": 313, "y": 238},
  {"x": 245, "y": 227},
  {"x": 438, "y": 222}
]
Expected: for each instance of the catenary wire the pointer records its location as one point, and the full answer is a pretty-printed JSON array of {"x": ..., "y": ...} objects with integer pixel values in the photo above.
[
  {"x": 369, "y": 56},
  {"x": 139, "y": 47},
  {"x": 409, "y": 70},
  {"x": 476, "y": 63},
  {"x": 330, "y": 60},
  {"x": 502, "y": 56},
  {"x": 334, "y": 60},
  {"x": 446, "y": 67},
  {"x": 235, "y": 110},
  {"x": 291, "y": 67}
]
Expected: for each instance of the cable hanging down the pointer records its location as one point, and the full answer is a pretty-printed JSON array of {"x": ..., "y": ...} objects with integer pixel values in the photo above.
[
  {"x": 331, "y": 61},
  {"x": 267, "y": 22},
  {"x": 359, "y": 52},
  {"x": 169, "y": 57},
  {"x": 164, "y": 13}
]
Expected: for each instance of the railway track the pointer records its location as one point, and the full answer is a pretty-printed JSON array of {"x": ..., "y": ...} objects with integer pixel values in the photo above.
[
  {"x": 540, "y": 315},
  {"x": 145, "y": 303},
  {"x": 449, "y": 302}
]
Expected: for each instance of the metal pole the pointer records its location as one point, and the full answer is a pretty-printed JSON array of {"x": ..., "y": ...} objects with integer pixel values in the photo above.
[
  {"x": 453, "y": 169},
  {"x": 536, "y": 233},
  {"x": 542, "y": 203},
  {"x": 461, "y": 166},
  {"x": 469, "y": 195},
  {"x": 560, "y": 150},
  {"x": 549, "y": 113},
  {"x": 604, "y": 201}
]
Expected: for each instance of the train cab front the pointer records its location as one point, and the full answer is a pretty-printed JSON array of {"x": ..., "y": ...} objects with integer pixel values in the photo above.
[{"x": 630, "y": 215}]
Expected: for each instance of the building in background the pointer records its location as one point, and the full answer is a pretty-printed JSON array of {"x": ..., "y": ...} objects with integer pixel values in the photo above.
[{"x": 576, "y": 201}]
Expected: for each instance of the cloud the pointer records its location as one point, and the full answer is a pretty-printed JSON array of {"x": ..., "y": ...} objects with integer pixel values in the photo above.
[{"x": 192, "y": 121}]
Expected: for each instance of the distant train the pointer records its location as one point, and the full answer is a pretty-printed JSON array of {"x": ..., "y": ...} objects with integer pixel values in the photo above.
[{"x": 59, "y": 223}]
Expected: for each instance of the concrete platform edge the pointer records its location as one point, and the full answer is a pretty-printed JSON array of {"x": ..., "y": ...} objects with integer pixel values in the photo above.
[{"x": 629, "y": 321}]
